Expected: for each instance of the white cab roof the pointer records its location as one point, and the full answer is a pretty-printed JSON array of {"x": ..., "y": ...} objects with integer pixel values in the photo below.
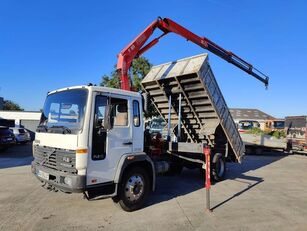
[{"x": 100, "y": 89}]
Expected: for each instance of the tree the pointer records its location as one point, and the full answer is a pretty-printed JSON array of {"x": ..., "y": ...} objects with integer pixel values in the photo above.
[
  {"x": 11, "y": 106},
  {"x": 111, "y": 81},
  {"x": 139, "y": 69}
]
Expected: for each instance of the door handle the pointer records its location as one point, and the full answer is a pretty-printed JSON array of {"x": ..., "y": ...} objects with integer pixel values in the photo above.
[{"x": 127, "y": 143}]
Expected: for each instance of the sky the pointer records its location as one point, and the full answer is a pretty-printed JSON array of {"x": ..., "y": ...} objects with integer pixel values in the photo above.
[{"x": 46, "y": 45}]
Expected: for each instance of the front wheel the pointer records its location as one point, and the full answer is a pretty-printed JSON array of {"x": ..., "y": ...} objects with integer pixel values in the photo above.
[
  {"x": 134, "y": 189},
  {"x": 218, "y": 167}
]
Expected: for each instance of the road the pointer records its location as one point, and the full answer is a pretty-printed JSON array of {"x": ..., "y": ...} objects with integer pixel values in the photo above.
[{"x": 264, "y": 193}]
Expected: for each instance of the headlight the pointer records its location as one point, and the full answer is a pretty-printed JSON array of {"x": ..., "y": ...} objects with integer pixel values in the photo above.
[{"x": 68, "y": 181}]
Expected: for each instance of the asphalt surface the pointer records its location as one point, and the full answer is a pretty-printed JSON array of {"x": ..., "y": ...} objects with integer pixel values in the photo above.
[{"x": 264, "y": 193}]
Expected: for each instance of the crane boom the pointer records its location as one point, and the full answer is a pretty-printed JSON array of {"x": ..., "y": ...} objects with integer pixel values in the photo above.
[{"x": 137, "y": 47}]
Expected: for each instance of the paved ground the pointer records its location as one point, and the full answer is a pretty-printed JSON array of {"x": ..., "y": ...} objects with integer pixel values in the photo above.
[{"x": 264, "y": 193}]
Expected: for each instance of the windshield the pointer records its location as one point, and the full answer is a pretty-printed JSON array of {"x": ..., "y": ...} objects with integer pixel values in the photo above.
[
  {"x": 64, "y": 112},
  {"x": 157, "y": 125},
  {"x": 279, "y": 124},
  {"x": 246, "y": 125}
]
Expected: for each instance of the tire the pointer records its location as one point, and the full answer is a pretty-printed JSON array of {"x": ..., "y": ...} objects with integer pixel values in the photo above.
[
  {"x": 134, "y": 189},
  {"x": 218, "y": 167}
]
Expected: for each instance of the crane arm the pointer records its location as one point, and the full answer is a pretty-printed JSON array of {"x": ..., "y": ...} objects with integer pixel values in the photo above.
[{"x": 137, "y": 48}]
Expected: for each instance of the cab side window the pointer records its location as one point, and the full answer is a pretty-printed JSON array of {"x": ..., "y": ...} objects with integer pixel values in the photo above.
[
  {"x": 119, "y": 113},
  {"x": 136, "y": 113}
]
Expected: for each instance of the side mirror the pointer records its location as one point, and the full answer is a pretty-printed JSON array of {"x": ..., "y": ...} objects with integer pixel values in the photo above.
[
  {"x": 108, "y": 123},
  {"x": 97, "y": 122},
  {"x": 136, "y": 121},
  {"x": 145, "y": 97}
]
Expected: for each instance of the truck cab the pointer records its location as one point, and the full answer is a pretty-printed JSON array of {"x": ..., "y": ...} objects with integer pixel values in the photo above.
[{"x": 88, "y": 136}]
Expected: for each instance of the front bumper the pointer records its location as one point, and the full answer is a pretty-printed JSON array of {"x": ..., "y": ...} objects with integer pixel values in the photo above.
[{"x": 64, "y": 181}]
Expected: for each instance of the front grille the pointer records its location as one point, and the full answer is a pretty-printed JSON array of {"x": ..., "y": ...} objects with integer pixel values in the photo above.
[{"x": 53, "y": 158}]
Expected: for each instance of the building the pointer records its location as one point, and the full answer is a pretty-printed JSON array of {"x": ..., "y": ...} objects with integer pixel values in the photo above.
[
  {"x": 26, "y": 119},
  {"x": 250, "y": 114},
  {"x": 296, "y": 127}
]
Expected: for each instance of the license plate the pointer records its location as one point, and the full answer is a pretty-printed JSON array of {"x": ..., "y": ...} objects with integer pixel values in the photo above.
[
  {"x": 43, "y": 175},
  {"x": 9, "y": 139}
]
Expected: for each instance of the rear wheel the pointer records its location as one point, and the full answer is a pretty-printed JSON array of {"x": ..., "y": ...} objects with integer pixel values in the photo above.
[
  {"x": 134, "y": 189},
  {"x": 218, "y": 167}
]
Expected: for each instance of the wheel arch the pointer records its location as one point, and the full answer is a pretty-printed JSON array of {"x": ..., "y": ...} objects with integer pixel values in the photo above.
[
  {"x": 129, "y": 161},
  {"x": 215, "y": 156}
]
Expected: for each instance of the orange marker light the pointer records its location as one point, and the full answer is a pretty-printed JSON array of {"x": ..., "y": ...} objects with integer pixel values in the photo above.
[{"x": 81, "y": 151}]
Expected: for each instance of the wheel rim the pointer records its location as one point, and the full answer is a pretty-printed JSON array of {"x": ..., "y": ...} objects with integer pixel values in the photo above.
[
  {"x": 134, "y": 188},
  {"x": 220, "y": 167}
]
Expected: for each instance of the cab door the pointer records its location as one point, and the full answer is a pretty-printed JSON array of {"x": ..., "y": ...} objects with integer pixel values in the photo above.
[{"x": 109, "y": 145}]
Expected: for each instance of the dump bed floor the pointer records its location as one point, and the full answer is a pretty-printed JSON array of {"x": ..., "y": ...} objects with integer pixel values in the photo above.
[{"x": 203, "y": 105}]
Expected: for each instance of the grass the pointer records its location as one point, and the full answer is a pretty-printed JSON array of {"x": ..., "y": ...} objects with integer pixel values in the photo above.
[{"x": 276, "y": 134}]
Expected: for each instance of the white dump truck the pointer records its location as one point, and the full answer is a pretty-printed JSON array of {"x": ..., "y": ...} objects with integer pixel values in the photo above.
[{"x": 91, "y": 139}]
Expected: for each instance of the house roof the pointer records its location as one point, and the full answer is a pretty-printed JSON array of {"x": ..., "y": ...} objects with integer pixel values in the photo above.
[{"x": 249, "y": 114}]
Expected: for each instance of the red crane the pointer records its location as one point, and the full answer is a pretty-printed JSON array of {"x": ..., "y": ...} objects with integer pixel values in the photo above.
[{"x": 166, "y": 25}]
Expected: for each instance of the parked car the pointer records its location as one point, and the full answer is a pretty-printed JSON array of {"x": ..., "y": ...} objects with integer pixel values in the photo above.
[
  {"x": 156, "y": 125},
  {"x": 22, "y": 136},
  {"x": 7, "y": 138},
  {"x": 246, "y": 125}
]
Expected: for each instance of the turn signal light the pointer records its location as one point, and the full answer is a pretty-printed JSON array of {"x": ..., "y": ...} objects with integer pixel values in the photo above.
[{"x": 81, "y": 151}]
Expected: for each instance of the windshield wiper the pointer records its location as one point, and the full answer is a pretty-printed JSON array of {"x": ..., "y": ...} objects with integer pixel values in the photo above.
[
  {"x": 59, "y": 129},
  {"x": 42, "y": 128}
]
